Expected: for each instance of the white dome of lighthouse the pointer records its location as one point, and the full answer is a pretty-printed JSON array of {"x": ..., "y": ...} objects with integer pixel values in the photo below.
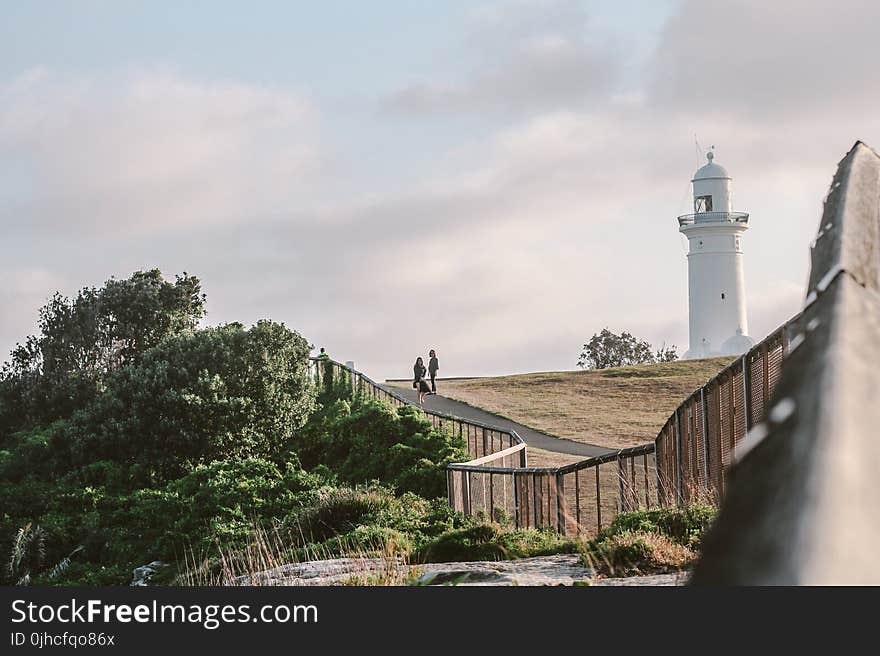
[{"x": 711, "y": 170}]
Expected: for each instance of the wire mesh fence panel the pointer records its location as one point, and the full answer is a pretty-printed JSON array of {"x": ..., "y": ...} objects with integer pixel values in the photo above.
[
  {"x": 775, "y": 357},
  {"x": 699, "y": 442},
  {"x": 684, "y": 451},
  {"x": 726, "y": 437},
  {"x": 479, "y": 495},
  {"x": 666, "y": 464},
  {"x": 637, "y": 487},
  {"x": 739, "y": 414},
  {"x": 755, "y": 403}
]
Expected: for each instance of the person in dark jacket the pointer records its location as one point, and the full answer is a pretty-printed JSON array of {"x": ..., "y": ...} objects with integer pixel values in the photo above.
[
  {"x": 433, "y": 368},
  {"x": 419, "y": 381}
]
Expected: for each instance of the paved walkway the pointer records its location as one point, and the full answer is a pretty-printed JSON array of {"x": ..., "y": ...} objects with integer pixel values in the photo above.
[{"x": 533, "y": 438}]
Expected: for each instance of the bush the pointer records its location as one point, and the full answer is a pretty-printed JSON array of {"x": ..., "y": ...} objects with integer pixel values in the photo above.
[
  {"x": 633, "y": 553},
  {"x": 684, "y": 525},
  {"x": 365, "y": 440},
  {"x": 489, "y": 541},
  {"x": 340, "y": 510},
  {"x": 650, "y": 541},
  {"x": 207, "y": 395}
]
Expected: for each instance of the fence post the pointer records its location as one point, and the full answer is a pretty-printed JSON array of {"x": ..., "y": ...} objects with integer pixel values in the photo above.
[
  {"x": 747, "y": 391},
  {"x": 620, "y": 507},
  {"x": 679, "y": 483},
  {"x": 450, "y": 487},
  {"x": 661, "y": 494},
  {"x": 491, "y": 497},
  {"x": 485, "y": 442},
  {"x": 704, "y": 409},
  {"x": 515, "y": 500},
  {"x": 560, "y": 503},
  {"x": 765, "y": 370}
]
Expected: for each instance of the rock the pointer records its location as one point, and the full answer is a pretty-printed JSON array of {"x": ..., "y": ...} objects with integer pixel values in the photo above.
[
  {"x": 564, "y": 569},
  {"x": 141, "y": 575}
]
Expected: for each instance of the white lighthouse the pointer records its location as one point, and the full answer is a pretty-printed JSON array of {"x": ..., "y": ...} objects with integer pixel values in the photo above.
[{"x": 716, "y": 285}]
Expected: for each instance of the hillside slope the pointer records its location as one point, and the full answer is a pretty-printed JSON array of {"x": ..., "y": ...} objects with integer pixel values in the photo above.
[{"x": 615, "y": 408}]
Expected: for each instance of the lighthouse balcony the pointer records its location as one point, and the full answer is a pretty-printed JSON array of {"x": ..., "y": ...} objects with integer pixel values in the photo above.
[{"x": 713, "y": 217}]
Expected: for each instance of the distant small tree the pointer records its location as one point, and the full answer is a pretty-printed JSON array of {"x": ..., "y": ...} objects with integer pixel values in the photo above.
[
  {"x": 607, "y": 349},
  {"x": 666, "y": 353}
]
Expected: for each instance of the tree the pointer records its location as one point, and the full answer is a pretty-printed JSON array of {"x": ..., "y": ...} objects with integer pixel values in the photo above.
[
  {"x": 83, "y": 340},
  {"x": 607, "y": 349},
  {"x": 666, "y": 353},
  {"x": 210, "y": 394}
]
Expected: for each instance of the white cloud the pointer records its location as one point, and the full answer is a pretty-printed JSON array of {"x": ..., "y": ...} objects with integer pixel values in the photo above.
[
  {"x": 522, "y": 241},
  {"x": 147, "y": 151}
]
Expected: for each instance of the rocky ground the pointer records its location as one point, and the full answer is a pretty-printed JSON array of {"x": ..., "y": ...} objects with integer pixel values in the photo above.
[{"x": 544, "y": 570}]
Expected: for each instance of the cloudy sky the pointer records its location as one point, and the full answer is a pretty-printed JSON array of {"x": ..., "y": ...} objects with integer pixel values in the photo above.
[{"x": 498, "y": 180}]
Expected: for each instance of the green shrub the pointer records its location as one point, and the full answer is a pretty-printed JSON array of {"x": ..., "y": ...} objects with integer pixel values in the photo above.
[
  {"x": 634, "y": 553},
  {"x": 339, "y": 510},
  {"x": 365, "y": 440},
  {"x": 649, "y": 541},
  {"x": 684, "y": 525},
  {"x": 210, "y": 394},
  {"x": 487, "y": 541}
]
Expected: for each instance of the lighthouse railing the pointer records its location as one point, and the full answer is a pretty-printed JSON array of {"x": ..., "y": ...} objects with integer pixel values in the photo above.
[{"x": 713, "y": 217}]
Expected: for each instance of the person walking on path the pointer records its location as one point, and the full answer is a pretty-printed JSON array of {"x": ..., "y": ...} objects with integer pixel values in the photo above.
[
  {"x": 419, "y": 382},
  {"x": 433, "y": 368}
]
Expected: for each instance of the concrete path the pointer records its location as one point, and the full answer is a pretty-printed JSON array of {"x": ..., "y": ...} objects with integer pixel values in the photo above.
[{"x": 533, "y": 438}]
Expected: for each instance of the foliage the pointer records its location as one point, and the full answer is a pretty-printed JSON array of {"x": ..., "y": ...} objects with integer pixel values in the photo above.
[
  {"x": 633, "y": 553},
  {"x": 127, "y": 436},
  {"x": 364, "y": 440},
  {"x": 666, "y": 354},
  {"x": 650, "y": 541},
  {"x": 199, "y": 396},
  {"x": 490, "y": 541},
  {"x": 607, "y": 349},
  {"x": 83, "y": 340},
  {"x": 684, "y": 525}
]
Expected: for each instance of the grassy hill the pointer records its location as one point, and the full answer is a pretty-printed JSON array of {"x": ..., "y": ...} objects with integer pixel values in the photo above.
[{"x": 616, "y": 408}]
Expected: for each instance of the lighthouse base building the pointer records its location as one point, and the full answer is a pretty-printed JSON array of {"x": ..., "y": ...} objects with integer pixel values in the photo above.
[{"x": 718, "y": 324}]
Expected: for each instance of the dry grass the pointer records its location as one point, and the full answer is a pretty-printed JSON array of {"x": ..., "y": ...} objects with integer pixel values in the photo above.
[
  {"x": 638, "y": 553},
  {"x": 271, "y": 556},
  {"x": 615, "y": 408}
]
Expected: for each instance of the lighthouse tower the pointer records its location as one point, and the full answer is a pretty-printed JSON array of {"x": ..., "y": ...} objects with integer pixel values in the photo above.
[{"x": 716, "y": 285}]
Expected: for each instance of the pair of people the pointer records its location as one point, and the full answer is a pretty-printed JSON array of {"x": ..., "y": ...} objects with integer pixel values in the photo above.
[{"x": 419, "y": 371}]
